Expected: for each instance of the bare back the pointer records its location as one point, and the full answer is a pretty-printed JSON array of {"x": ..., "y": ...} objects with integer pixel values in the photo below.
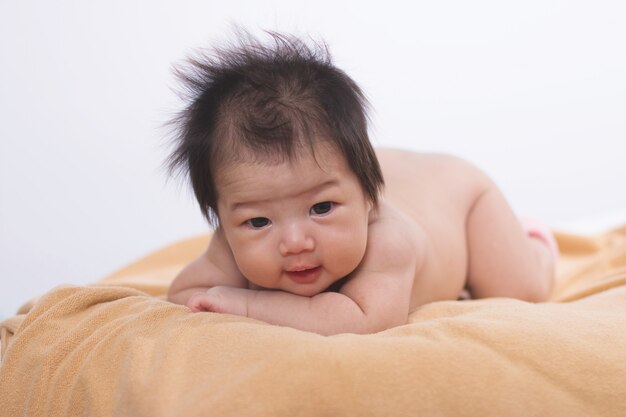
[{"x": 473, "y": 238}]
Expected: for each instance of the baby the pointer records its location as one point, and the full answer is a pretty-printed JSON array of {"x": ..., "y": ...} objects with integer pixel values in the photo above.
[{"x": 275, "y": 142}]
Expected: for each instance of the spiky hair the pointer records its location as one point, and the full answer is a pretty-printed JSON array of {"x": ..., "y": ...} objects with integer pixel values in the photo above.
[{"x": 266, "y": 101}]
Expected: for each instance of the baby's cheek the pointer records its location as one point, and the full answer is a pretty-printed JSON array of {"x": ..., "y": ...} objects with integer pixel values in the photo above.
[
  {"x": 346, "y": 252},
  {"x": 259, "y": 270}
]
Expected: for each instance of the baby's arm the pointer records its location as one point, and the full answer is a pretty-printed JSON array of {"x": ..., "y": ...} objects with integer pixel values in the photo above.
[
  {"x": 377, "y": 297},
  {"x": 213, "y": 268},
  {"x": 326, "y": 313}
]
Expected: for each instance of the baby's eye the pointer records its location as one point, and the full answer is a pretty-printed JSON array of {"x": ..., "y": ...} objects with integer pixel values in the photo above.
[
  {"x": 322, "y": 208},
  {"x": 258, "y": 222}
]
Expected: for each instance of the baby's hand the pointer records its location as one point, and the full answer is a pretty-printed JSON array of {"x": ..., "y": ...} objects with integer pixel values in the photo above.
[{"x": 220, "y": 300}]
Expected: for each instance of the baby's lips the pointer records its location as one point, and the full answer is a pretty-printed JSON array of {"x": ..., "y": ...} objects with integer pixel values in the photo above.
[
  {"x": 300, "y": 268},
  {"x": 305, "y": 276}
]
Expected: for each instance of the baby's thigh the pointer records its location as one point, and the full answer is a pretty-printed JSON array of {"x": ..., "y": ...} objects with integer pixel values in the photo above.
[{"x": 503, "y": 260}]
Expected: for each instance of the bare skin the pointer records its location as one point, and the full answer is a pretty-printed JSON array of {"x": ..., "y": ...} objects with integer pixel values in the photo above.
[{"x": 441, "y": 226}]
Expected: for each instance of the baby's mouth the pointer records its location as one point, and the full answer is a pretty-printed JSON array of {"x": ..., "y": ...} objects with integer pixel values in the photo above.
[{"x": 304, "y": 275}]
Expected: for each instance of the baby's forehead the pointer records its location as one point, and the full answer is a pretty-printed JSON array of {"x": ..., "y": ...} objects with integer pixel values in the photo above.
[
  {"x": 324, "y": 163},
  {"x": 321, "y": 152}
]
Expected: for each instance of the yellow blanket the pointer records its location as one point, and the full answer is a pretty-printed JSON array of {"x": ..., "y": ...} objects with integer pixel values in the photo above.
[{"x": 118, "y": 349}]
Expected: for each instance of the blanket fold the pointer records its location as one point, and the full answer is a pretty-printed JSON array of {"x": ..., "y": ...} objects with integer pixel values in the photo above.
[{"x": 118, "y": 349}]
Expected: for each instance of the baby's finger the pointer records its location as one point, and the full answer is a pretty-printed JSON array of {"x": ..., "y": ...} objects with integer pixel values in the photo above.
[{"x": 198, "y": 302}]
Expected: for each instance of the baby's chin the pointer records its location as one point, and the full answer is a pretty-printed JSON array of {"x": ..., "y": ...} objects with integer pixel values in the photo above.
[
  {"x": 310, "y": 290},
  {"x": 304, "y": 290}
]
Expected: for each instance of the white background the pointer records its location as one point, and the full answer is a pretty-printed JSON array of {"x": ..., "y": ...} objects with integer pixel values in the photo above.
[{"x": 534, "y": 92}]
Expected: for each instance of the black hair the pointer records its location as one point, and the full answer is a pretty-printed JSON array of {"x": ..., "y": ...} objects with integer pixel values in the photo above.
[{"x": 267, "y": 101}]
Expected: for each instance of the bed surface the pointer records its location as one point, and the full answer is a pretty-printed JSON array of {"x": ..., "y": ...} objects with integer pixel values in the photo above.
[{"x": 117, "y": 348}]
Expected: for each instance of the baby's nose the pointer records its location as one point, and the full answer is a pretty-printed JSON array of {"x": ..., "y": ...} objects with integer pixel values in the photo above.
[{"x": 295, "y": 239}]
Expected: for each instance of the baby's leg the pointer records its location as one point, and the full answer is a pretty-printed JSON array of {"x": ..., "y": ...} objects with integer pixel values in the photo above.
[{"x": 505, "y": 260}]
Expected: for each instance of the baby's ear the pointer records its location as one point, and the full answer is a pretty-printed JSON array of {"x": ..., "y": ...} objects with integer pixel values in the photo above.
[{"x": 371, "y": 207}]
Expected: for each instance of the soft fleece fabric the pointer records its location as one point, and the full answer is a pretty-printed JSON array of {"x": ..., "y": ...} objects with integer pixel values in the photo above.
[{"x": 118, "y": 349}]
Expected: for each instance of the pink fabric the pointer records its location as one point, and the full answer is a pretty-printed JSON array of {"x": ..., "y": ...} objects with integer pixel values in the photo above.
[{"x": 539, "y": 230}]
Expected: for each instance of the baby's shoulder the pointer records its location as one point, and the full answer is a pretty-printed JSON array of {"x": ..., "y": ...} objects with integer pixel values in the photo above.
[{"x": 394, "y": 236}]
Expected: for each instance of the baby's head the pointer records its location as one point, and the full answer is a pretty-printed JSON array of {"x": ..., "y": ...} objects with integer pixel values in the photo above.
[
  {"x": 268, "y": 102},
  {"x": 267, "y": 112}
]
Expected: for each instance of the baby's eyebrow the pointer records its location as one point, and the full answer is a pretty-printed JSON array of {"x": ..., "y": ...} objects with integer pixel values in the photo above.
[{"x": 237, "y": 205}]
